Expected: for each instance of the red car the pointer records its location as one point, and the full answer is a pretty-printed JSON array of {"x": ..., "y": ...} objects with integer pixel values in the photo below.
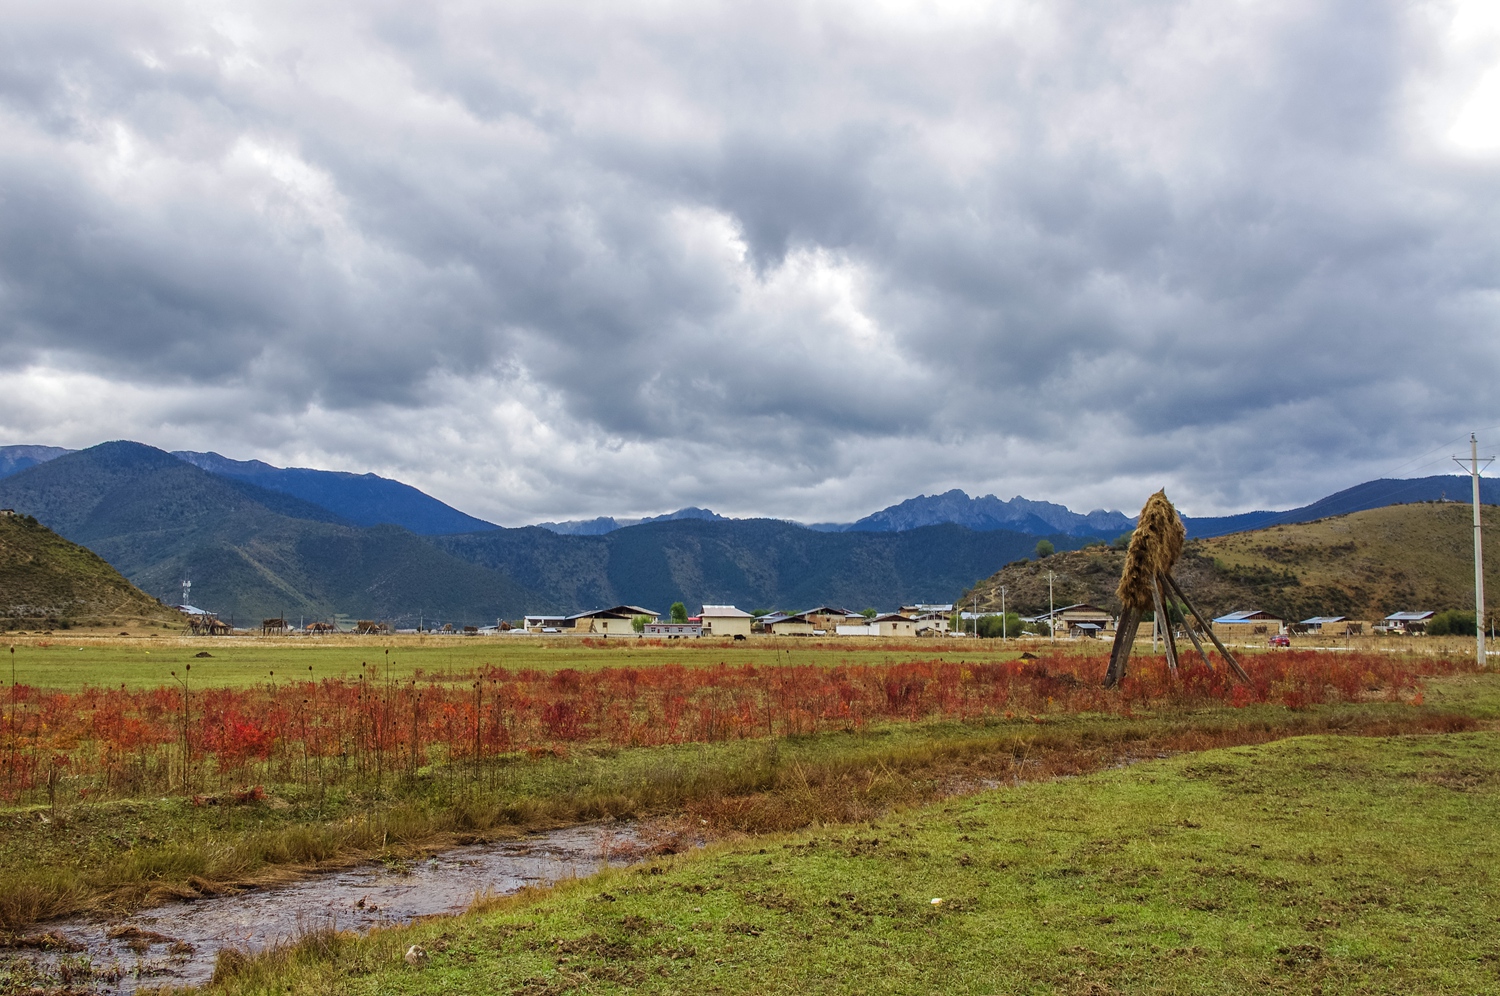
[{"x": 1281, "y": 640}]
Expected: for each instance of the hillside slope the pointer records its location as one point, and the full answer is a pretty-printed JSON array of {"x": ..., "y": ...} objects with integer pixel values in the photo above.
[
  {"x": 1371, "y": 494},
  {"x": 250, "y": 552},
  {"x": 1364, "y": 565},
  {"x": 46, "y": 579}
]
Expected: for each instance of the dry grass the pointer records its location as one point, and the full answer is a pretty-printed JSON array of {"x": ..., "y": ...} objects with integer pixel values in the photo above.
[{"x": 1155, "y": 547}]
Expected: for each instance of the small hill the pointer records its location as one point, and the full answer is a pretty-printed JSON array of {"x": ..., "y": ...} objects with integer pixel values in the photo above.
[
  {"x": 1364, "y": 565},
  {"x": 44, "y": 579}
]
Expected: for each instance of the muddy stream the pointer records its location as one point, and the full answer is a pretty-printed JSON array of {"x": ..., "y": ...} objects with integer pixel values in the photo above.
[{"x": 177, "y": 944}]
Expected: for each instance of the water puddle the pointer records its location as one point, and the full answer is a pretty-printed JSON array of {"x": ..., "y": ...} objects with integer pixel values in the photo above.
[{"x": 177, "y": 944}]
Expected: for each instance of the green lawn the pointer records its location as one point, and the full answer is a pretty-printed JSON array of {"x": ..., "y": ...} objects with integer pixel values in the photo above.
[{"x": 1313, "y": 865}]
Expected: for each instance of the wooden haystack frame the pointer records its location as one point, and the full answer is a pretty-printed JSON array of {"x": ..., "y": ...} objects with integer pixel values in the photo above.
[
  {"x": 1145, "y": 584},
  {"x": 207, "y": 625}
]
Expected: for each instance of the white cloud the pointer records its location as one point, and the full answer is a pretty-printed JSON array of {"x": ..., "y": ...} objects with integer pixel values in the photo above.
[{"x": 796, "y": 259}]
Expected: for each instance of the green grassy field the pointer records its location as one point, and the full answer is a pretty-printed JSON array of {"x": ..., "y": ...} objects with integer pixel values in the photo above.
[
  {"x": 1353, "y": 858},
  {"x": 1313, "y": 865},
  {"x": 69, "y": 662}
]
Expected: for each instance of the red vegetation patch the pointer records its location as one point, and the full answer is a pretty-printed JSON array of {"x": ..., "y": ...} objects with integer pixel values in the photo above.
[{"x": 104, "y": 741}]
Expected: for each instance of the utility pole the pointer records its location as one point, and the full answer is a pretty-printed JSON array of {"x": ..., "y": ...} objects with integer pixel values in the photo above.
[
  {"x": 1473, "y": 469},
  {"x": 976, "y": 613},
  {"x": 1003, "y": 634},
  {"x": 1051, "y": 611}
]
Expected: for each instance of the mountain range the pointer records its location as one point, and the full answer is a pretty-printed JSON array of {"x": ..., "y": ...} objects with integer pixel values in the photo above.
[
  {"x": 368, "y": 500},
  {"x": 254, "y": 552},
  {"x": 258, "y": 540}
]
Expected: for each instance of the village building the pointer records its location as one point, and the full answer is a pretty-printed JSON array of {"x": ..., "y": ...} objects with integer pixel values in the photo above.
[
  {"x": 783, "y": 624},
  {"x": 926, "y": 609},
  {"x": 1077, "y": 620},
  {"x": 826, "y": 619},
  {"x": 890, "y": 624},
  {"x": 1247, "y": 624},
  {"x": 544, "y": 624},
  {"x": 726, "y": 620},
  {"x": 1405, "y": 623},
  {"x": 1330, "y": 626},
  {"x": 932, "y": 623},
  {"x": 616, "y": 621},
  {"x": 674, "y": 630}
]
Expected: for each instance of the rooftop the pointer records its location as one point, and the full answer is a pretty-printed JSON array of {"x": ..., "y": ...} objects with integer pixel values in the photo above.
[{"x": 1246, "y": 615}]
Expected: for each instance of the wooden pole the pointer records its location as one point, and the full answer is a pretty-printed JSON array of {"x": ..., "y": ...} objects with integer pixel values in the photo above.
[
  {"x": 1130, "y": 624},
  {"x": 1207, "y": 629},
  {"x": 1164, "y": 624},
  {"x": 1192, "y": 632}
]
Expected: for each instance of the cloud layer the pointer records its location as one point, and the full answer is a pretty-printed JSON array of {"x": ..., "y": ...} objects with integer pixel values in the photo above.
[{"x": 795, "y": 259}]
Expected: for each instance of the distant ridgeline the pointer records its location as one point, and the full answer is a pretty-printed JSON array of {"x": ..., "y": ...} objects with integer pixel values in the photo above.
[{"x": 258, "y": 540}]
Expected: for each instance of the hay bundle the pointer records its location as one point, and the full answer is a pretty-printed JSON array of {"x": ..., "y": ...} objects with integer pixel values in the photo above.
[{"x": 1154, "y": 549}]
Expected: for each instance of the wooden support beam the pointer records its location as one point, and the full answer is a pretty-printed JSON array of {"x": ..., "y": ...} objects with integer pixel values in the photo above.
[
  {"x": 1208, "y": 629},
  {"x": 1164, "y": 623},
  {"x": 1192, "y": 632},
  {"x": 1119, "y": 654}
]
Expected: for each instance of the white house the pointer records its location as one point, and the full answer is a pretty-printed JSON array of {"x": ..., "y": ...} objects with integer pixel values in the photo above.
[
  {"x": 674, "y": 630},
  {"x": 725, "y": 620},
  {"x": 890, "y": 624}
]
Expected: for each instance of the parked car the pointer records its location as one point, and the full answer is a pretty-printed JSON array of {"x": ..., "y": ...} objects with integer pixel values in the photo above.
[{"x": 1281, "y": 640}]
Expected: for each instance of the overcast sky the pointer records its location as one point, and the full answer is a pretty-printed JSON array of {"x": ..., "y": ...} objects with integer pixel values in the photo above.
[{"x": 557, "y": 260}]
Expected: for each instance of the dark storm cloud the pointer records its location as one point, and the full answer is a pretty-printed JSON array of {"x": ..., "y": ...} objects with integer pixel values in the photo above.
[{"x": 800, "y": 259}]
